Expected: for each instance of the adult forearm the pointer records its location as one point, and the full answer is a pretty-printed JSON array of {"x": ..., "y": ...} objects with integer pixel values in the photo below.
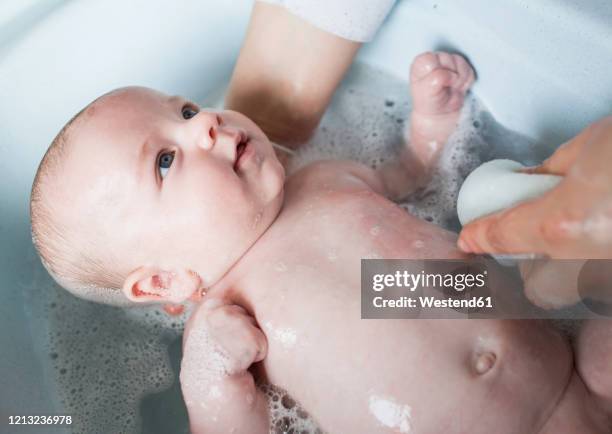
[{"x": 286, "y": 73}]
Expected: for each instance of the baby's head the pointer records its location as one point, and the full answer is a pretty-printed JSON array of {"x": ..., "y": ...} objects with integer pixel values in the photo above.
[{"x": 147, "y": 198}]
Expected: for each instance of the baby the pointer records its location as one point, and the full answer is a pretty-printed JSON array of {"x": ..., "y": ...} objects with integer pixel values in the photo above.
[{"x": 145, "y": 198}]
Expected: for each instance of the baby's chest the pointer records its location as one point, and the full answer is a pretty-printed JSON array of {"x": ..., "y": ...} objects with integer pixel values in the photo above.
[
  {"x": 345, "y": 227},
  {"x": 315, "y": 259}
]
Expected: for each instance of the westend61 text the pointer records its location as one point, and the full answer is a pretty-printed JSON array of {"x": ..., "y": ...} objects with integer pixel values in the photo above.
[{"x": 433, "y": 302}]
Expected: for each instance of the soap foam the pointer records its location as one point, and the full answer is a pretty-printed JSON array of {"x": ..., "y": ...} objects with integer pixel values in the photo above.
[
  {"x": 363, "y": 123},
  {"x": 103, "y": 367},
  {"x": 100, "y": 360},
  {"x": 391, "y": 414},
  {"x": 286, "y": 415}
]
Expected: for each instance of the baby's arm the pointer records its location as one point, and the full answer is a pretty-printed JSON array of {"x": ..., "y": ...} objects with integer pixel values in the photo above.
[
  {"x": 221, "y": 341},
  {"x": 438, "y": 83},
  {"x": 402, "y": 176}
]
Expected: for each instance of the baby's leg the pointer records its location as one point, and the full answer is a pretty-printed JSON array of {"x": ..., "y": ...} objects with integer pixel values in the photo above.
[
  {"x": 586, "y": 405},
  {"x": 438, "y": 82},
  {"x": 594, "y": 361}
]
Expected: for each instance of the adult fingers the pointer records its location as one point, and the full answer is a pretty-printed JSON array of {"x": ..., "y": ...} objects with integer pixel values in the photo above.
[
  {"x": 560, "y": 162},
  {"x": 566, "y": 155},
  {"x": 515, "y": 230}
]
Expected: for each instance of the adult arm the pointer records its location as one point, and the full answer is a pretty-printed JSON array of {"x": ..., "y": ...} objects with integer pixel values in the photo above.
[{"x": 286, "y": 73}]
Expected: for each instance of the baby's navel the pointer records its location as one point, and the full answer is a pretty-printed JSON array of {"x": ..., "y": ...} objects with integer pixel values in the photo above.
[{"x": 483, "y": 362}]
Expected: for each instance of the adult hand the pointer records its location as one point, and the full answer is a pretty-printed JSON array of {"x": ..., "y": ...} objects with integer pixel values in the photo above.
[{"x": 573, "y": 220}]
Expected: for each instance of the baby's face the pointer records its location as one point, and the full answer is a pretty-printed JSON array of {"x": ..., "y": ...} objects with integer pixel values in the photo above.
[{"x": 170, "y": 185}]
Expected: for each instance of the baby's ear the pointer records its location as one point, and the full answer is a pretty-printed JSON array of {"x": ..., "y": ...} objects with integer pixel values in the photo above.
[{"x": 148, "y": 284}]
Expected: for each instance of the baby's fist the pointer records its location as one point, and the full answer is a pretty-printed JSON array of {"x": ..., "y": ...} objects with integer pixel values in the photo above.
[{"x": 221, "y": 339}]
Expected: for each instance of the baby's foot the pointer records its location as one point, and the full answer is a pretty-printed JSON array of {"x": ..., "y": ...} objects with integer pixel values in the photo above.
[{"x": 439, "y": 82}]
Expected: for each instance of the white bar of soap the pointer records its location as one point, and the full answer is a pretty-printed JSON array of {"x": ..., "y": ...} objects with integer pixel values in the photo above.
[{"x": 497, "y": 185}]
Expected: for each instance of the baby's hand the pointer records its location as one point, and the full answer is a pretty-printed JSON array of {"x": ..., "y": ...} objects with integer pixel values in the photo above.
[{"x": 222, "y": 339}]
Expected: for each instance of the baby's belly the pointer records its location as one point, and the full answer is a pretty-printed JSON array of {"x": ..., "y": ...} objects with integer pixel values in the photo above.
[
  {"x": 420, "y": 376},
  {"x": 416, "y": 376}
]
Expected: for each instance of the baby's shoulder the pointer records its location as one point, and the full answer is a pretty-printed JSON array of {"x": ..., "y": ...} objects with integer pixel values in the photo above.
[{"x": 334, "y": 176}]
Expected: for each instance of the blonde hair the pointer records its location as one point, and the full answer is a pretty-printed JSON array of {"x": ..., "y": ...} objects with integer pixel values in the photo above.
[{"x": 70, "y": 254}]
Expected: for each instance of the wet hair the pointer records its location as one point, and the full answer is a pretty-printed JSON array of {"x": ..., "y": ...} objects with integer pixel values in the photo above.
[{"x": 70, "y": 254}]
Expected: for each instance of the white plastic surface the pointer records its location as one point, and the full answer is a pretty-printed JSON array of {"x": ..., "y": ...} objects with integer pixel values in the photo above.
[{"x": 544, "y": 68}]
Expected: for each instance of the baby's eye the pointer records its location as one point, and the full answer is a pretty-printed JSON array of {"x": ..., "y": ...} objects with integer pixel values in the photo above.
[
  {"x": 164, "y": 162},
  {"x": 188, "y": 111}
]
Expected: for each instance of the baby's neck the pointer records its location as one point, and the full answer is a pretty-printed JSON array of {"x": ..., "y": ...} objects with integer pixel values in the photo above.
[{"x": 237, "y": 284}]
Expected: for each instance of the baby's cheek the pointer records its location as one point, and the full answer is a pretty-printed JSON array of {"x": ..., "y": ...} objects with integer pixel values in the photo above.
[{"x": 273, "y": 175}]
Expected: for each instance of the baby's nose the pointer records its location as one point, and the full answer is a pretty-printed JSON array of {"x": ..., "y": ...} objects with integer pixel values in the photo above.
[{"x": 207, "y": 125}]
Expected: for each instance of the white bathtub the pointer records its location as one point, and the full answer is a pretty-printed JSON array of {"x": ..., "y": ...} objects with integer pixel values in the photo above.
[{"x": 544, "y": 69}]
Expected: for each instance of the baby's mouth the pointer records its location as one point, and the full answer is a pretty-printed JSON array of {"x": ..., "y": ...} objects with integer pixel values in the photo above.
[{"x": 241, "y": 147}]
